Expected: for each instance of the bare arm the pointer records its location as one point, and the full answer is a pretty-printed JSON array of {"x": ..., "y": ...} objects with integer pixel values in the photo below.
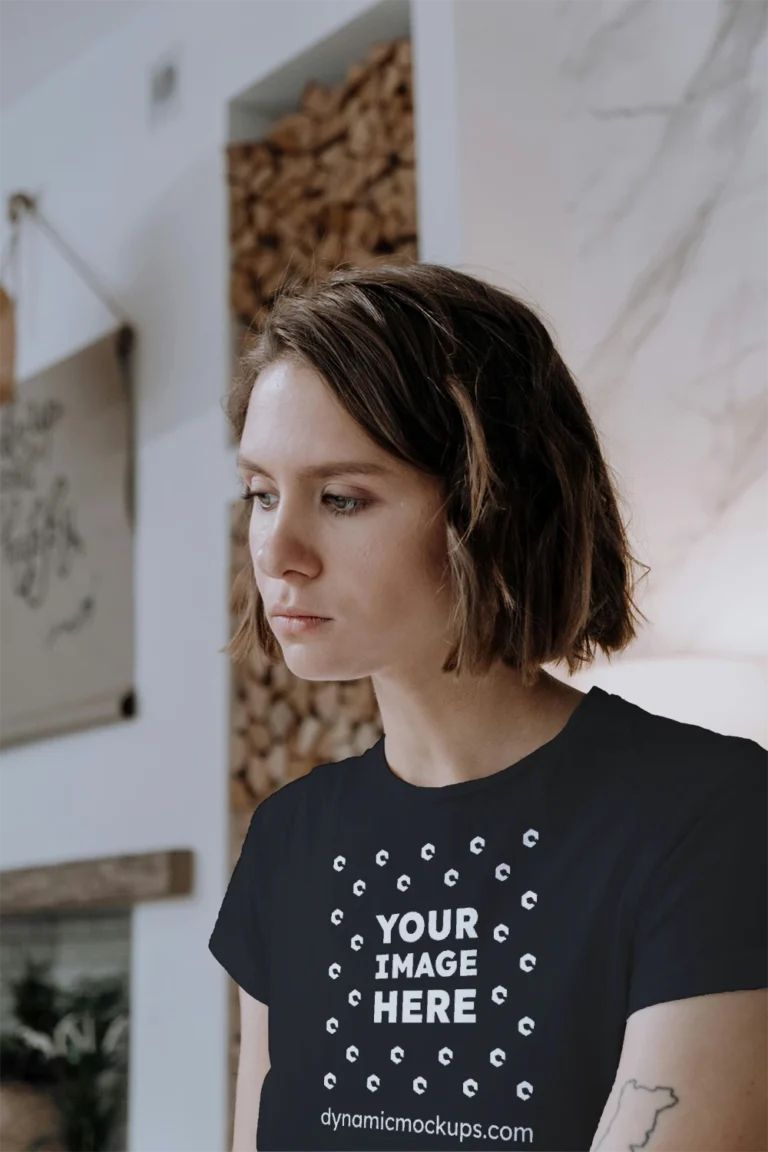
[
  {"x": 251, "y": 1070},
  {"x": 691, "y": 1078}
]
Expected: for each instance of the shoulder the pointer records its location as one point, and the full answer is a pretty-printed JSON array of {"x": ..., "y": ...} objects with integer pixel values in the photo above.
[
  {"x": 672, "y": 794},
  {"x": 307, "y": 799},
  {"x": 645, "y": 782},
  {"x": 678, "y": 762}
]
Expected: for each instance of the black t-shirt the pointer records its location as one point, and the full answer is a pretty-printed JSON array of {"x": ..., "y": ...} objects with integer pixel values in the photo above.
[{"x": 453, "y": 967}]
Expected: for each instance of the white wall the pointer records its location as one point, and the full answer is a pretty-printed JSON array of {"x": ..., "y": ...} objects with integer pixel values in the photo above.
[
  {"x": 611, "y": 162},
  {"x": 147, "y": 210},
  {"x": 28, "y": 59}
]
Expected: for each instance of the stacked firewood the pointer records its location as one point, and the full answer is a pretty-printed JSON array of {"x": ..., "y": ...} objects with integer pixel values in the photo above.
[{"x": 332, "y": 183}]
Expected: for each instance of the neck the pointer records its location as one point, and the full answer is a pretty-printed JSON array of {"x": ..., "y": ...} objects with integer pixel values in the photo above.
[{"x": 447, "y": 729}]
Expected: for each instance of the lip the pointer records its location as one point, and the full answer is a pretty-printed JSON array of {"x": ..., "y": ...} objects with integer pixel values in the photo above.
[
  {"x": 299, "y": 625},
  {"x": 291, "y": 614}
]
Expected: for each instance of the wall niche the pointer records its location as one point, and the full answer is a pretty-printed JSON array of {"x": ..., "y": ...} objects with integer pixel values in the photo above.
[{"x": 321, "y": 167}]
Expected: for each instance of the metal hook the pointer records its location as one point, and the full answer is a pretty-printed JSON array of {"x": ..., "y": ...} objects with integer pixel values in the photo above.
[{"x": 20, "y": 202}]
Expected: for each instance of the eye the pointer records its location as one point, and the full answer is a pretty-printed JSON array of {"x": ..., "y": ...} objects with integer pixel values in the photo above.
[
  {"x": 248, "y": 494},
  {"x": 357, "y": 504},
  {"x": 353, "y": 503}
]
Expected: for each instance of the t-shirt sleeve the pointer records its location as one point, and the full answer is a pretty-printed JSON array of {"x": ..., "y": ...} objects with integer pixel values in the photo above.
[
  {"x": 701, "y": 921},
  {"x": 240, "y": 938}
]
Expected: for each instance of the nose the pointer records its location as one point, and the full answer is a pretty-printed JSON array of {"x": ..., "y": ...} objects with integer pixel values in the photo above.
[{"x": 283, "y": 546}]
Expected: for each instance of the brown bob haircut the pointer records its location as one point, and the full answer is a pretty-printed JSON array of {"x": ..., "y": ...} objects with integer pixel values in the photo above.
[{"x": 461, "y": 380}]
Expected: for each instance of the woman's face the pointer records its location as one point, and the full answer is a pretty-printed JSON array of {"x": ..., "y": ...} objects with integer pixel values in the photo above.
[{"x": 365, "y": 549}]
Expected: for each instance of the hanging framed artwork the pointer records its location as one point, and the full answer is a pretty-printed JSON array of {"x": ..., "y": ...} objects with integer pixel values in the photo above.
[{"x": 66, "y": 544}]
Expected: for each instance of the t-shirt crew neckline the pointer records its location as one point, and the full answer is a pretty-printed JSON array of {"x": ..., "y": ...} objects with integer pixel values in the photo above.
[{"x": 558, "y": 746}]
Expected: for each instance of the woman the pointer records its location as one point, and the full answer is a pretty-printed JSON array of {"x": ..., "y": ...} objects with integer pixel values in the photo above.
[{"x": 527, "y": 916}]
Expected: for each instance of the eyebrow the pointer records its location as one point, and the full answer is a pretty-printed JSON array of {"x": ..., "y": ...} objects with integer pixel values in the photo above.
[{"x": 321, "y": 471}]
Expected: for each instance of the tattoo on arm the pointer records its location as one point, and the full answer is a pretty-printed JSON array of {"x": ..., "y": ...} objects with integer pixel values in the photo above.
[{"x": 638, "y": 1109}]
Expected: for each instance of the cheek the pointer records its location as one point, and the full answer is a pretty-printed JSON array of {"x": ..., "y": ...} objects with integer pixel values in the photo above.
[
  {"x": 258, "y": 528},
  {"x": 433, "y": 553},
  {"x": 254, "y": 544},
  {"x": 411, "y": 566}
]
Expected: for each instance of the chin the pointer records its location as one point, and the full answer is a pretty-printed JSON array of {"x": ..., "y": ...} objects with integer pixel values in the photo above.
[{"x": 309, "y": 665}]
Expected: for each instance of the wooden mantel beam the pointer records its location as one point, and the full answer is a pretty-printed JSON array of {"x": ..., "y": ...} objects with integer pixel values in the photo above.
[{"x": 108, "y": 882}]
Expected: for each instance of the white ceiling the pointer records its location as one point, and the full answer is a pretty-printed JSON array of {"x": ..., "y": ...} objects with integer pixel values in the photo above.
[{"x": 37, "y": 37}]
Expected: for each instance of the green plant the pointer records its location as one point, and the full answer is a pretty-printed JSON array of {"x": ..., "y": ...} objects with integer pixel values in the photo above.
[{"x": 74, "y": 1040}]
